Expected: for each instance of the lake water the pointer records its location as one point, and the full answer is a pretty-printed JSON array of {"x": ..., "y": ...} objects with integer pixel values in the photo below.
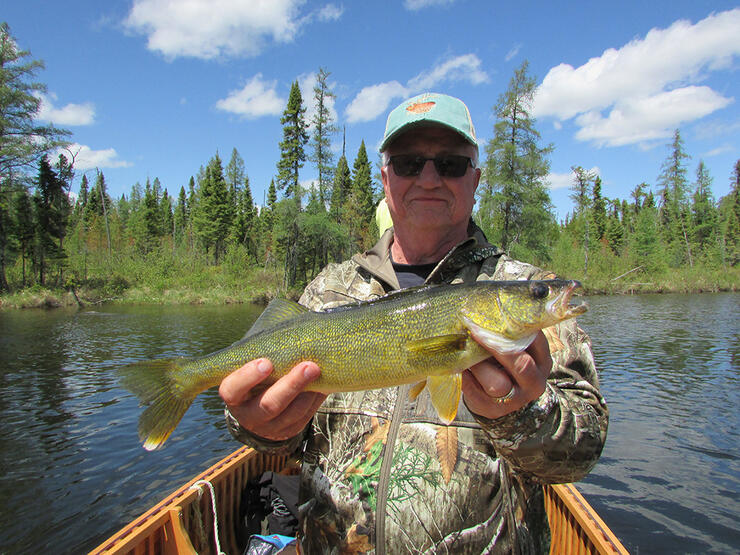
[{"x": 72, "y": 470}]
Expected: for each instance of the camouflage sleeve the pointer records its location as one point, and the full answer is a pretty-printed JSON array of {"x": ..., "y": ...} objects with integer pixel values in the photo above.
[
  {"x": 558, "y": 437},
  {"x": 262, "y": 444}
]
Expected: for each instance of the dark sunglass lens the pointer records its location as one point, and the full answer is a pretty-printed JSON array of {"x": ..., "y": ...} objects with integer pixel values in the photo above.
[
  {"x": 451, "y": 166},
  {"x": 407, "y": 165}
]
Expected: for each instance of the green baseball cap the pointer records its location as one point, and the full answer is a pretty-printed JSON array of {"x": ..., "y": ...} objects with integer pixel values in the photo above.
[{"x": 429, "y": 108}]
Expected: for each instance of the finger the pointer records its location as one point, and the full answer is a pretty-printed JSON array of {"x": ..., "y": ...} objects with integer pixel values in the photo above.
[
  {"x": 539, "y": 350},
  {"x": 237, "y": 386},
  {"x": 492, "y": 378},
  {"x": 282, "y": 393},
  {"x": 297, "y": 415},
  {"x": 479, "y": 402}
]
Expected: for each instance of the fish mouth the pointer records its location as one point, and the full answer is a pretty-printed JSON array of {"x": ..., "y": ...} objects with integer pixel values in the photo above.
[{"x": 560, "y": 306}]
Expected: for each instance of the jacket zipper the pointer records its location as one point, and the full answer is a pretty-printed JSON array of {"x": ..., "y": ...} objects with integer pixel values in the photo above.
[{"x": 385, "y": 469}]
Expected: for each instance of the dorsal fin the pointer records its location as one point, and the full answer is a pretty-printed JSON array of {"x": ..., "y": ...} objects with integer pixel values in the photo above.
[{"x": 279, "y": 310}]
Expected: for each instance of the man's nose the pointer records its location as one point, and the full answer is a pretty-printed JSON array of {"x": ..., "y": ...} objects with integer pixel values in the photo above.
[{"x": 429, "y": 175}]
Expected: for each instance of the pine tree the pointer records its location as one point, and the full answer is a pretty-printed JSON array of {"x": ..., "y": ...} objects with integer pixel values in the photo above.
[
  {"x": 323, "y": 129},
  {"x": 514, "y": 205},
  {"x": 292, "y": 154}
]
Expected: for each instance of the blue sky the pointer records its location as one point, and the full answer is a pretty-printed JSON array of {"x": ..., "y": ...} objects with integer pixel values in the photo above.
[{"x": 154, "y": 88}]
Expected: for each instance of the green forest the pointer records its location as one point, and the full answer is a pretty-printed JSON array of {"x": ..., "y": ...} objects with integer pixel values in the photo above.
[{"x": 65, "y": 240}]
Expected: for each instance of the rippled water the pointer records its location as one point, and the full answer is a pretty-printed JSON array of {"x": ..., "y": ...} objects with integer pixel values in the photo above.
[
  {"x": 669, "y": 478},
  {"x": 72, "y": 470}
]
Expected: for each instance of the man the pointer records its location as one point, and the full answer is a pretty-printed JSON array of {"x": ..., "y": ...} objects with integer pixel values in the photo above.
[{"x": 381, "y": 472}]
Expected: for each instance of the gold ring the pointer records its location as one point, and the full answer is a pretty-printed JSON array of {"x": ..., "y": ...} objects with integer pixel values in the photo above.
[{"x": 506, "y": 397}]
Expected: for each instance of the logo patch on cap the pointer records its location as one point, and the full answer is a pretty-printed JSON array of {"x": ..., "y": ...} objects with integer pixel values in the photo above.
[{"x": 420, "y": 107}]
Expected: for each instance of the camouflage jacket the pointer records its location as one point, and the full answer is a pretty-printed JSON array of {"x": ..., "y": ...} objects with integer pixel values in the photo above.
[{"x": 381, "y": 473}]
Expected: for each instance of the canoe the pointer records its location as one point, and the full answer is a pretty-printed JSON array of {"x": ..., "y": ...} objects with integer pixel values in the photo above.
[{"x": 183, "y": 522}]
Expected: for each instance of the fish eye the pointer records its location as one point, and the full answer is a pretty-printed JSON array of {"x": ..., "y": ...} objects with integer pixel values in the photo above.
[{"x": 539, "y": 290}]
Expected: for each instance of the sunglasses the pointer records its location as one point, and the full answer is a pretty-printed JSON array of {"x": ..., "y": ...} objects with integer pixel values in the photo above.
[{"x": 447, "y": 165}]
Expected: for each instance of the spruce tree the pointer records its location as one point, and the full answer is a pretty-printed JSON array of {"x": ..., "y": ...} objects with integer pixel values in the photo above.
[
  {"x": 703, "y": 211},
  {"x": 23, "y": 227},
  {"x": 180, "y": 217},
  {"x": 212, "y": 217},
  {"x": 341, "y": 187},
  {"x": 598, "y": 211},
  {"x": 674, "y": 212},
  {"x": 514, "y": 204},
  {"x": 292, "y": 153}
]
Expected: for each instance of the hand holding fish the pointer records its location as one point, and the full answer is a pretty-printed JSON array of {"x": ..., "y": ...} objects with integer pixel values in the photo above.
[
  {"x": 279, "y": 412},
  {"x": 521, "y": 375}
]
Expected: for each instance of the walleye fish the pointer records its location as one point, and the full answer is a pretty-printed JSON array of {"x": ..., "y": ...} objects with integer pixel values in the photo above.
[{"x": 419, "y": 335}]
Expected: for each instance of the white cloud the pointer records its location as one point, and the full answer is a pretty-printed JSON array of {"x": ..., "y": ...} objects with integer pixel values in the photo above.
[
  {"x": 209, "y": 29},
  {"x": 85, "y": 158},
  {"x": 257, "y": 98},
  {"x": 719, "y": 150},
  {"x": 71, "y": 114},
  {"x": 374, "y": 100},
  {"x": 330, "y": 12},
  {"x": 654, "y": 117},
  {"x": 513, "y": 52},
  {"x": 415, "y": 5},
  {"x": 657, "y": 73},
  {"x": 566, "y": 180},
  {"x": 460, "y": 68}
]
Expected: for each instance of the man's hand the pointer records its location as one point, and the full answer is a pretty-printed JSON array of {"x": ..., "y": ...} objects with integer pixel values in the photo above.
[
  {"x": 505, "y": 383},
  {"x": 279, "y": 412}
]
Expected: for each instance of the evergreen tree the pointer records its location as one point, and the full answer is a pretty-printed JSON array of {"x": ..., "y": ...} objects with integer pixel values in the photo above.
[
  {"x": 292, "y": 154},
  {"x": 359, "y": 209},
  {"x": 581, "y": 196},
  {"x": 674, "y": 213},
  {"x": 23, "y": 141},
  {"x": 341, "y": 188},
  {"x": 166, "y": 215},
  {"x": 598, "y": 213},
  {"x": 212, "y": 218},
  {"x": 323, "y": 129},
  {"x": 48, "y": 218},
  {"x": 23, "y": 227},
  {"x": 180, "y": 217},
  {"x": 703, "y": 211},
  {"x": 729, "y": 220},
  {"x": 515, "y": 207}
]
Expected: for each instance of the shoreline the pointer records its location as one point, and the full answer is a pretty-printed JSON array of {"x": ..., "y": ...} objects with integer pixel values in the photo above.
[{"x": 47, "y": 298}]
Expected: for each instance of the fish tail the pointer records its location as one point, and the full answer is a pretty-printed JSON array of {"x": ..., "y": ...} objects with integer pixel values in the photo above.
[{"x": 153, "y": 382}]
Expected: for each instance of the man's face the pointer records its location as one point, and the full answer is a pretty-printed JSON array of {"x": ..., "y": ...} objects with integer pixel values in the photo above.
[{"x": 429, "y": 201}]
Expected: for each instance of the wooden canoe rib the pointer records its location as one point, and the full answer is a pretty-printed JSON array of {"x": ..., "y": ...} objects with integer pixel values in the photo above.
[{"x": 182, "y": 523}]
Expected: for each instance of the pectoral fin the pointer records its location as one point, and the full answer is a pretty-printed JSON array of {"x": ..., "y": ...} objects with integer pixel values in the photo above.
[
  {"x": 416, "y": 389},
  {"x": 438, "y": 345},
  {"x": 445, "y": 392}
]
